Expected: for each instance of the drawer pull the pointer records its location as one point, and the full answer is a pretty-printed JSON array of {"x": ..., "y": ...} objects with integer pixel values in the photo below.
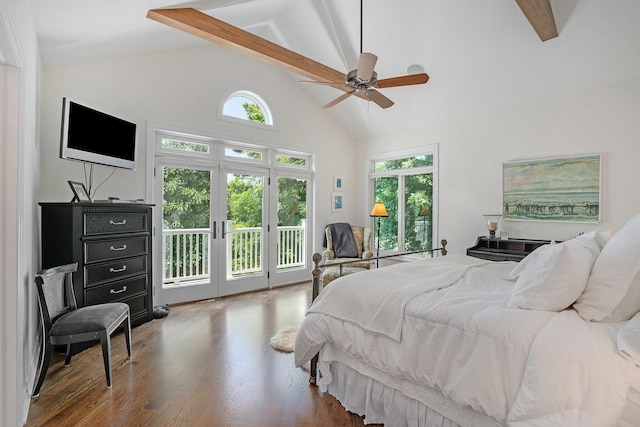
[
  {"x": 112, "y": 222},
  {"x": 119, "y": 270},
  {"x": 121, "y": 248},
  {"x": 124, "y": 288}
]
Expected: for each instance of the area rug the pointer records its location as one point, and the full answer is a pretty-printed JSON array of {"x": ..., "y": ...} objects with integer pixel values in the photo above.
[{"x": 285, "y": 339}]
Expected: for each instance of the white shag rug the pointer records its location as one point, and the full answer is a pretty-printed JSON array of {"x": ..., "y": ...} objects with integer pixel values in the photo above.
[{"x": 285, "y": 339}]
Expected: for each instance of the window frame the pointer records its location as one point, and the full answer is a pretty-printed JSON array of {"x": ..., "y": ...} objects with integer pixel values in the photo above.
[{"x": 432, "y": 150}]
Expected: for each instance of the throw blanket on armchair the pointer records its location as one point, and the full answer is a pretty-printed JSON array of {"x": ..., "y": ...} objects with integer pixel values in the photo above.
[{"x": 344, "y": 245}]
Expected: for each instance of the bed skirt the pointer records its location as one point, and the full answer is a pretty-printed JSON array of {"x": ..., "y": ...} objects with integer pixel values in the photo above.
[
  {"x": 379, "y": 399},
  {"x": 382, "y": 399}
]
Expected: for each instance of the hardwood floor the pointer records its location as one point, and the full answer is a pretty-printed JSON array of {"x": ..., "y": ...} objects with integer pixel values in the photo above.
[{"x": 208, "y": 363}]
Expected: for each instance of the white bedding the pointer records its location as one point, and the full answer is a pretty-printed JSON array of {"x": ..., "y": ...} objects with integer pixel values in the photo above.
[{"x": 518, "y": 367}]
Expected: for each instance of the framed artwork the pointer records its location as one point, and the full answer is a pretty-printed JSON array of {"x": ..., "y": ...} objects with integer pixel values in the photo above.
[
  {"x": 336, "y": 202},
  {"x": 80, "y": 193},
  {"x": 555, "y": 189},
  {"x": 337, "y": 183}
]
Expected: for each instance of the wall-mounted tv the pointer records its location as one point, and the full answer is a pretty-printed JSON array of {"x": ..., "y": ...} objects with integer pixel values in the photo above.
[{"x": 89, "y": 135}]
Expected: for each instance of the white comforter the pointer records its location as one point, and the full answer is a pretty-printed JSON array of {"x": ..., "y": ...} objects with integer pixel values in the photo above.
[{"x": 518, "y": 367}]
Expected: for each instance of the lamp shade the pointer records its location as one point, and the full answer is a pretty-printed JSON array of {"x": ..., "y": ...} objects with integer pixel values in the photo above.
[{"x": 379, "y": 209}]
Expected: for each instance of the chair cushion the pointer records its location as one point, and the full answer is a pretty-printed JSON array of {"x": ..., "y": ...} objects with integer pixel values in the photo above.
[
  {"x": 332, "y": 273},
  {"x": 358, "y": 264},
  {"x": 88, "y": 319}
]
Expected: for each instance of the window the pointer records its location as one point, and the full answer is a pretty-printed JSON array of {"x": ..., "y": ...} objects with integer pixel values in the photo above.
[
  {"x": 240, "y": 153},
  {"x": 292, "y": 160},
  {"x": 174, "y": 144},
  {"x": 246, "y": 106},
  {"x": 405, "y": 183}
]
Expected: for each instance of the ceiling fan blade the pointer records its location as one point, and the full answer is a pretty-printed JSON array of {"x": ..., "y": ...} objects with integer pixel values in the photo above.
[
  {"x": 214, "y": 30},
  {"x": 378, "y": 98},
  {"x": 339, "y": 99},
  {"x": 411, "y": 79},
  {"x": 336, "y": 85},
  {"x": 366, "y": 64}
]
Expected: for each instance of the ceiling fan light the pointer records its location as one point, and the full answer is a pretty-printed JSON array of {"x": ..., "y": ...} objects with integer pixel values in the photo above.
[{"x": 415, "y": 69}]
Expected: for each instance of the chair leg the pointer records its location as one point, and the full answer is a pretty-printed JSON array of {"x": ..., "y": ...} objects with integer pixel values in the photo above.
[
  {"x": 127, "y": 335},
  {"x": 106, "y": 356},
  {"x": 44, "y": 366},
  {"x": 67, "y": 360}
]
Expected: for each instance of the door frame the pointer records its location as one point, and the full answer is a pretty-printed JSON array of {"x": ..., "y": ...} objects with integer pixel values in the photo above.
[{"x": 215, "y": 159}]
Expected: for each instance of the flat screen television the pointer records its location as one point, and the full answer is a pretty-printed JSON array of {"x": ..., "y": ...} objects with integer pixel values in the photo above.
[{"x": 90, "y": 135}]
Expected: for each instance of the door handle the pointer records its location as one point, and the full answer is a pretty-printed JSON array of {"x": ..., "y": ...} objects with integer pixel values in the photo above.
[
  {"x": 223, "y": 232},
  {"x": 215, "y": 229}
]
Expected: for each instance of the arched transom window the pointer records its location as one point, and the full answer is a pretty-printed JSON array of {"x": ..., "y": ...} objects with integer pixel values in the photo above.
[{"x": 246, "y": 105}]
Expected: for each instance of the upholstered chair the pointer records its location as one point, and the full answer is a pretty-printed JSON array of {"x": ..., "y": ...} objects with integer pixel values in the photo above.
[
  {"x": 362, "y": 237},
  {"x": 65, "y": 324}
]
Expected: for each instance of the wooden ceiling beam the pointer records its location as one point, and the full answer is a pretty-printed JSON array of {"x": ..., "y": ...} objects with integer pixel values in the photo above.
[
  {"x": 540, "y": 16},
  {"x": 214, "y": 30}
]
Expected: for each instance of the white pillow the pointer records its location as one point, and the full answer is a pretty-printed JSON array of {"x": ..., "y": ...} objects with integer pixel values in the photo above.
[
  {"x": 629, "y": 340},
  {"x": 532, "y": 257},
  {"x": 601, "y": 237},
  {"x": 556, "y": 277},
  {"x": 613, "y": 290}
]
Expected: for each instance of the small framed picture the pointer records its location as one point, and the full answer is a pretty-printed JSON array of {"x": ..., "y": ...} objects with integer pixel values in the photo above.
[
  {"x": 336, "y": 202},
  {"x": 80, "y": 193},
  {"x": 337, "y": 183}
]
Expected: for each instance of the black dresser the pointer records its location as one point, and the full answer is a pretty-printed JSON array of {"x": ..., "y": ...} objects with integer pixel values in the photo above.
[
  {"x": 504, "y": 249},
  {"x": 111, "y": 242}
]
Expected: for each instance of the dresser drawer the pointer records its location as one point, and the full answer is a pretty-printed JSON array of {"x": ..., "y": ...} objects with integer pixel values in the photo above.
[
  {"x": 117, "y": 269},
  {"x": 104, "y": 250},
  {"x": 139, "y": 307},
  {"x": 118, "y": 291},
  {"x": 114, "y": 222}
]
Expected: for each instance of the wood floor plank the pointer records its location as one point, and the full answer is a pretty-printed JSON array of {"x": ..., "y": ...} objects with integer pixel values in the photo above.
[{"x": 209, "y": 363}]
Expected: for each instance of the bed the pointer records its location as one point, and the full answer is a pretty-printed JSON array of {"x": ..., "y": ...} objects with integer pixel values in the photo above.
[{"x": 458, "y": 341}]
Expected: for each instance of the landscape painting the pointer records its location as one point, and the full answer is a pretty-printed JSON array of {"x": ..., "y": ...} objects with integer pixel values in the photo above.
[{"x": 558, "y": 189}]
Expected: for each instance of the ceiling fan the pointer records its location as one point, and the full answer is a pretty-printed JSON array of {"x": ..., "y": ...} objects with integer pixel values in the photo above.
[{"x": 361, "y": 82}]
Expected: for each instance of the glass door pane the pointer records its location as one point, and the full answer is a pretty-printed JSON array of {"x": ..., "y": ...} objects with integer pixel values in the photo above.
[
  {"x": 244, "y": 233},
  {"x": 186, "y": 235},
  {"x": 291, "y": 246},
  {"x": 292, "y": 217}
]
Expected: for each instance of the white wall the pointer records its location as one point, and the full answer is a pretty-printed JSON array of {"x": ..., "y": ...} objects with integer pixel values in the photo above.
[
  {"x": 19, "y": 74},
  {"x": 183, "y": 88},
  {"x": 603, "y": 120}
]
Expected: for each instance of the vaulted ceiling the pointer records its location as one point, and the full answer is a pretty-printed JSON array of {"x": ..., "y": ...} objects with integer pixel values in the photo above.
[{"x": 479, "y": 54}]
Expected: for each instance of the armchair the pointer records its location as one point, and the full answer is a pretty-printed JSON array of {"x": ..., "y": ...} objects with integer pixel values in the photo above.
[
  {"x": 332, "y": 255},
  {"x": 362, "y": 237}
]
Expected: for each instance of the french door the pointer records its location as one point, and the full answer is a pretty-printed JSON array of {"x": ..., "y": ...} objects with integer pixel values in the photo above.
[
  {"x": 243, "y": 215},
  {"x": 185, "y": 233},
  {"x": 216, "y": 238}
]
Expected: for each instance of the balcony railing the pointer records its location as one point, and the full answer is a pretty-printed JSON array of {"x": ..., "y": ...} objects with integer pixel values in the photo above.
[{"x": 187, "y": 255}]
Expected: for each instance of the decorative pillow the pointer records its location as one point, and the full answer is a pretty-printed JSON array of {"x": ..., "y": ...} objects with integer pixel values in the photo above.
[
  {"x": 555, "y": 278},
  {"x": 613, "y": 290},
  {"x": 629, "y": 340},
  {"x": 532, "y": 257}
]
